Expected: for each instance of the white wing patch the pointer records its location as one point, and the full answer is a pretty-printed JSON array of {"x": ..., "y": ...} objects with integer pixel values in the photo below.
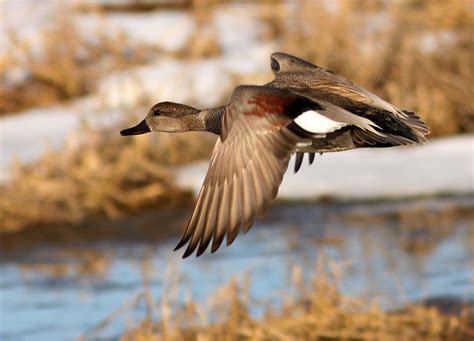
[{"x": 316, "y": 123}]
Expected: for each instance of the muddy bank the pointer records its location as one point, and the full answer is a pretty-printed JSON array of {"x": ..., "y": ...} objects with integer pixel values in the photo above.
[
  {"x": 145, "y": 227},
  {"x": 152, "y": 226}
]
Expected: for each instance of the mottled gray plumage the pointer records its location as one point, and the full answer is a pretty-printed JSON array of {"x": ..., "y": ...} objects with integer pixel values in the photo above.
[{"x": 212, "y": 119}]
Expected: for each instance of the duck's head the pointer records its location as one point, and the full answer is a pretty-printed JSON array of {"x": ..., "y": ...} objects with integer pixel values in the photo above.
[
  {"x": 283, "y": 62},
  {"x": 167, "y": 117}
]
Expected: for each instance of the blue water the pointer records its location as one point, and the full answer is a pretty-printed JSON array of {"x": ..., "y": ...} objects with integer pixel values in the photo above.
[{"x": 44, "y": 305}]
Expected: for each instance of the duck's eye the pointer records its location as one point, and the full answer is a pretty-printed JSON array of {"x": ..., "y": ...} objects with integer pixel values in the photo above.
[
  {"x": 154, "y": 110},
  {"x": 274, "y": 65}
]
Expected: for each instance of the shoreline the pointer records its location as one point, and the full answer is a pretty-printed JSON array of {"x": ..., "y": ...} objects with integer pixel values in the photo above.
[{"x": 151, "y": 226}]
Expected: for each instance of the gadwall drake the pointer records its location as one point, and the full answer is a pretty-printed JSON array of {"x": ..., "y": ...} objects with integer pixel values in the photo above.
[{"x": 261, "y": 127}]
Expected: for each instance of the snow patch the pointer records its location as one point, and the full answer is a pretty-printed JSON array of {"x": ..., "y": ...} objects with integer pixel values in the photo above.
[
  {"x": 204, "y": 83},
  {"x": 442, "y": 166},
  {"x": 24, "y": 136},
  {"x": 169, "y": 30}
]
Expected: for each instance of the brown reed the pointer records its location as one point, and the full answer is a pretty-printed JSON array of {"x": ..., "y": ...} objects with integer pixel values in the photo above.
[
  {"x": 316, "y": 311},
  {"x": 103, "y": 174}
]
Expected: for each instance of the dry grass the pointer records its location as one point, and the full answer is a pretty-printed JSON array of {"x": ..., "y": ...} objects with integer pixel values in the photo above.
[
  {"x": 101, "y": 175},
  {"x": 66, "y": 66},
  {"x": 416, "y": 54},
  {"x": 311, "y": 310},
  {"x": 110, "y": 176},
  {"x": 69, "y": 64}
]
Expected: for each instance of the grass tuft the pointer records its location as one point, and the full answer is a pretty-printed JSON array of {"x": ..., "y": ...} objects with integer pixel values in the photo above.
[
  {"x": 316, "y": 310},
  {"x": 103, "y": 174}
]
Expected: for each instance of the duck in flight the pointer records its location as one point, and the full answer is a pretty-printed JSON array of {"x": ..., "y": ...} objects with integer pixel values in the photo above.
[{"x": 305, "y": 109}]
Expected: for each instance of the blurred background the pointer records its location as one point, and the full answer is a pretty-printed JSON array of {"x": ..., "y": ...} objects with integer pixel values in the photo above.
[{"x": 366, "y": 244}]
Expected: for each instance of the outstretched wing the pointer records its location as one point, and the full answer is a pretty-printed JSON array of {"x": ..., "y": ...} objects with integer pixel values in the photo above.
[
  {"x": 292, "y": 70},
  {"x": 337, "y": 84},
  {"x": 347, "y": 103},
  {"x": 246, "y": 167}
]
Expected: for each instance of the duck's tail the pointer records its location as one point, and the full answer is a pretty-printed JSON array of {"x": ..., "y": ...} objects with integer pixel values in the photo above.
[
  {"x": 410, "y": 130},
  {"x": 418, "y": 126}
]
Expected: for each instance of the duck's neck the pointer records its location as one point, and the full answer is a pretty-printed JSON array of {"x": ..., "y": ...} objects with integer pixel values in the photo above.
[{"x": 211, "y": 118}]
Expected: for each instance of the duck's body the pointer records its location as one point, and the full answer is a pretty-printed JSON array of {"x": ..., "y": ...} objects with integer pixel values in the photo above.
[{"x": 304, "y": 109}]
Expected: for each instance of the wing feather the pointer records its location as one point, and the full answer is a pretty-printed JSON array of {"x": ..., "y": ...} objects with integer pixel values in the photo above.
[
  {"x": 246, "y": 168},
  {"x": 298, "y": 161},
  {"x": 318, "y": 83}
]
